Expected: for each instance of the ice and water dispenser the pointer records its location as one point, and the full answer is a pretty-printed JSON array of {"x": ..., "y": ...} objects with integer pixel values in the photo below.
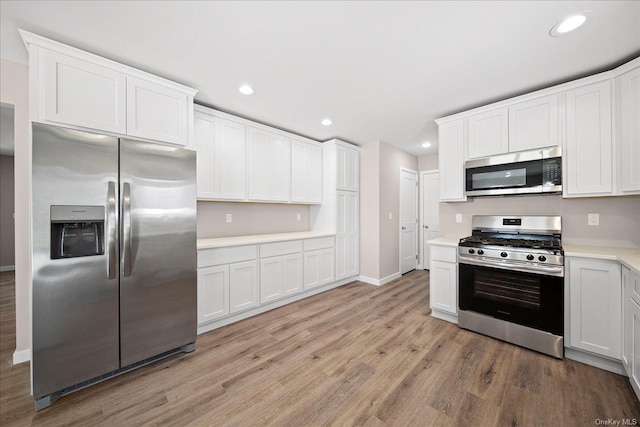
[{"x": 77, "y": 231}]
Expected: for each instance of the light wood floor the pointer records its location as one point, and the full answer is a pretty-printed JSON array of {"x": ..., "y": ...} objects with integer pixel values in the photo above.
[{"x": 356, "y": 355}]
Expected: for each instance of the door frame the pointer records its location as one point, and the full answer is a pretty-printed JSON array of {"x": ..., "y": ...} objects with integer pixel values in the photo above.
[
  {"x": 403, "y": 169},
  {"x": 422, "y": 246}
]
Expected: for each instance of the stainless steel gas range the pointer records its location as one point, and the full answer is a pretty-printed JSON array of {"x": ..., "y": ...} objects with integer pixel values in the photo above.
[{"x": 511, "y": 281}]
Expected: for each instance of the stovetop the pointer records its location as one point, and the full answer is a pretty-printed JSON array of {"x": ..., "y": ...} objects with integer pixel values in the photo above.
[{"x": 532, "y": 242}]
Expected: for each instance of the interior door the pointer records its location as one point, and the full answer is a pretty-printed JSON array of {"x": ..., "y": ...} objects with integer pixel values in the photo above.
[
  {"x": 158, "y": 290},
  {"x": 408, "y": 221},
  {"x": 430, "y": 213}
]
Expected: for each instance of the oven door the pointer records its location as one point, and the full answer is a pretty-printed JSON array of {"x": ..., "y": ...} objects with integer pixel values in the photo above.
[{"x": 529, "y": 299}]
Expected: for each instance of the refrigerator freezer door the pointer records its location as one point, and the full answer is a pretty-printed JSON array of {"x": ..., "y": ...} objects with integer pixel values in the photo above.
[
  {"x": 158, "y": 257},
  {"x": 75, "y": 304}
]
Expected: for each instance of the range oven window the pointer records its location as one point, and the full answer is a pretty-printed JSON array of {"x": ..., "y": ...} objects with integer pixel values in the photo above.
[{"x": 507, "y": 288}]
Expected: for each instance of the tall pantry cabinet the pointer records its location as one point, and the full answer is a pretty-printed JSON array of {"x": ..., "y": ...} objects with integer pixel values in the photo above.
[{"x": 340, "y": 210}]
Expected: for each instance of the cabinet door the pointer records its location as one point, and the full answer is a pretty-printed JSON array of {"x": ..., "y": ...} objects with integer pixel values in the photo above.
[
  {"x": 595, "y": 305},
  {"x": 81, "y": 94},
  {"x": 488, "y": 133},
  {"x": 589, "y": 144},
  {"x": 627, "y": 323},
  {"x": 243, "y": 285},
  {"x": 292, "y": 274},
  {"x": 443, "y": 286},
  {"x": 314, "y": 175},
  {"x": 629, "y": 84},
  {"x": 306, "y": 173},
  {"x": 347, "y": 236},
  {"x": 451, "y": 161},
  {"x": 318, "y": 268},
  {"x": 634, "y": 361},
  {"x": 207, "y": 173},
  {"x": 271, "y": 279},
  {"x": 347, "y": 169},
  {"x": 232, "y": 153},
  {"x": 213, "y": 293},
  {"x": 281, "y": 160},
  {"x": 260, "y": 164},
  {"x": 534, "y": 124},
  {"x": 156, "y": 112}
]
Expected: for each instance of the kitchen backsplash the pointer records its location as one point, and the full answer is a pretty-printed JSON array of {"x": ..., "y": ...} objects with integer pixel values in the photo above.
[
  {"x": 250, "y": 218},
  {"x": 619, "y": 217}
]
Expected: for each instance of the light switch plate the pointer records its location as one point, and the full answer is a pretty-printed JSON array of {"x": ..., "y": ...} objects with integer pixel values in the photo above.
[
  {"x": 229, "y": 218},
  {"x": 390, "y": 215},
  {"x": 593, "y": 219},
  {"x": 298, "y": 217},
  {"x": 458, "y": 217}
]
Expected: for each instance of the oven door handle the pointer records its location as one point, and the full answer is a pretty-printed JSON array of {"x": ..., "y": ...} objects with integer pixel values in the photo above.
[{"x": 556, "y": 270}]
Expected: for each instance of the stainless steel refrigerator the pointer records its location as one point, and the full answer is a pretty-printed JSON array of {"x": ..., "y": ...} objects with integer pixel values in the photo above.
[{"x": 114, "y": 257}]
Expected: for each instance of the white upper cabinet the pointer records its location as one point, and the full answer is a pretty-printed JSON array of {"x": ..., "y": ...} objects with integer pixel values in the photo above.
[
  {"x": 232, "y": 160},
  {"x": 451, "y": 158},
  {"x": 306, "y": 172},
  {"x": 206, "y": 129},
  {"x": 347, "y": 169},
  {"x": 156, "y": 112},
  {"x": 79, "y": 93},
  {"x": 488, "y": 133},
  {"x": 269, "y": 166},
  {"x": 629, "y": 135},
  {"x": 77, "y": 89},
  {"x": 589, "y": 149},
  {"x": 534, "y": 124}
]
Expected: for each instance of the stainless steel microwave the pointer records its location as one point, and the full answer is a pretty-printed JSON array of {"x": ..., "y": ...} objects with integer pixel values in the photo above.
[{"x": 527, "y": 172}]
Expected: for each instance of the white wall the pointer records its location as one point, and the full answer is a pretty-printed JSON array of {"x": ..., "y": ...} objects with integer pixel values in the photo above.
[
  {"x": 370, "y": 210},
  {"x": 14, "y": 90},
  {"x": 428, "y": 162}
]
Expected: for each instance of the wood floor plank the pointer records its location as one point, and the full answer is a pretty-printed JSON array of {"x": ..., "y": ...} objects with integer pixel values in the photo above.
[{"x": 356, "y": 355}]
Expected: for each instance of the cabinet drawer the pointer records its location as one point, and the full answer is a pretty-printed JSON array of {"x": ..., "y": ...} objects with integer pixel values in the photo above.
[
  {"x": 319, "y": 243},
  {"x": 280, "y": 248},
  {"x": 216, "y": 256},
  {"x": 444, "y": 253}
]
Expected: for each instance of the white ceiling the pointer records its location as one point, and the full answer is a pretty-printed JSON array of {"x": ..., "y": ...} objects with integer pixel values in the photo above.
[{"x": 380, "y": 70}]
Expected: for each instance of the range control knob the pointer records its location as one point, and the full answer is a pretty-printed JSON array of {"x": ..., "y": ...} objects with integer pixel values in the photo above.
[
  {"x": 503, "y": 254},
  {"x": 471, "y": 251},
  {"x": 480, "y": 251},
  {"x": 530, "y": 257},
  {"x": 542, "y": 258}
]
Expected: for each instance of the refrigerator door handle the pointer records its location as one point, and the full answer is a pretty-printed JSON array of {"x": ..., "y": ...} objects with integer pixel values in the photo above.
[
  {"x": 126, "y": 229},
  {"x": 111, "y": 230}
]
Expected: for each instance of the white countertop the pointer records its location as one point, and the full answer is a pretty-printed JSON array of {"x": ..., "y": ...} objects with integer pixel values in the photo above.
[
  {"x": 626, "y": 256},
  {"x": 219, "y": 242},
  {"x": 445, "y": 241}
]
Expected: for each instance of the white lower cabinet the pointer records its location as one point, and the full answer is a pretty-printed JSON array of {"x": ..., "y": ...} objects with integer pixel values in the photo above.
[
  {"x": 443, "y": 279},
  {"x": 213, "y": 293},
  {"x": 243, "y": 286},
  {"x": 280, "y": 276},
  {"x": 631, "y": 327},
  {"x": 318, "y": 267},
  {"x": 596, "y": 307},
  {"x": 347, "y": 236},
  {"x": 292, "y": 271},
  {"x": 633, "y": 313}
]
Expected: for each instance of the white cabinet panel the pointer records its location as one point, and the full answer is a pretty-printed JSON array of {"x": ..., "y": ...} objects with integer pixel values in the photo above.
[
  {"x": 347, "y": 169},
  {"x": 451, "y": 160},
  {"x": 243, "y": 285},
  {"x": 271, "y": 279},
  {"x": 156, "y": 112},
  {"x": 595, "y": 306},
  {"x": 318, "y": 268},
  {"x": 534, "y": 124},
  {"x": 82, "y": 94},
  {"x": 443, "y": 292},
  {"x": 488, "y": 133},
  {"x": 347, "y": 240},
  {"x": 627, "y": 326},
  {"x": 213, "y": 293},
  {"x": 292, "y": 274},
  {"x": 232, "y": 154},
  {"x": 306, "y": 173},
  {"x": 633, "y": 310},
  {"x": 588, "y": 150},
  {"x": 629, "y": 84},
  {"x": 207, "y": 176},
  {"x": 269, "y": 166}
]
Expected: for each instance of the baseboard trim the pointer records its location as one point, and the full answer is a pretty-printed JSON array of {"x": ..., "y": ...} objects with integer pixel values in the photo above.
[
  {"x": 444, "y": 316},
  {"x": 21, "y": 356},
  {"x": 7, "y": 268},
  {"x": 380, "y": 282},
  {"x": 601, "y": 362}
]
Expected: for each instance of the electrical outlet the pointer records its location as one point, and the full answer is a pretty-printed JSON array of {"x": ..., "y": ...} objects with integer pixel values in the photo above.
[
  {"x": 458, "y": 217},
  {"x": 593, "y": 219},
  {"x": 298, "y": 217},
  {"x": 390, "y": 215},
  {"x": 229, "y": 218}
]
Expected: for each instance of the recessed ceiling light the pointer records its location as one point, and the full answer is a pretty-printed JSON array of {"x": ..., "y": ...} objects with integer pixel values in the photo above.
[
  {"x": 245, "y": 90},
  {"x": 426, "y": 144},
  {"x": 570, "y": 23},
  {"x": 326, "y": 122}
]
